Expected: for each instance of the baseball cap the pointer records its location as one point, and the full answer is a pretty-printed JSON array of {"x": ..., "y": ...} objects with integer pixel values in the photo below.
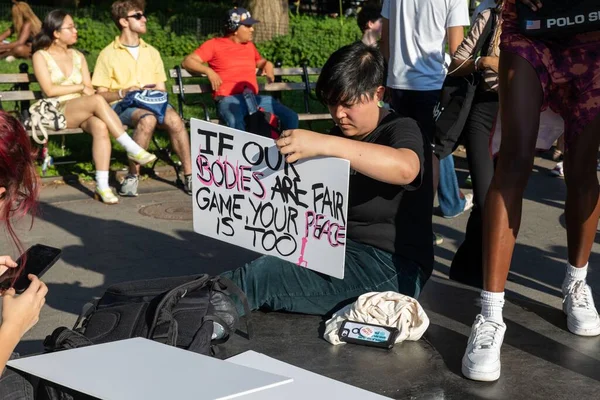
[{"x": 241, "y": 16}]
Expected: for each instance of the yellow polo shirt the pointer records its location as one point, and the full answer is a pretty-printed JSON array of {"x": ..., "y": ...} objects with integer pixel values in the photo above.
[{"x": 117, "y": 69}]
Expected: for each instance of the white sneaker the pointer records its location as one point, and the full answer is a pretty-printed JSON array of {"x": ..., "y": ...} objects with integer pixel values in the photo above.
[
  {"x": 467, "y": 207},
  {"x": 578, "y": 304},
  {"x": 481, "y": 361}
]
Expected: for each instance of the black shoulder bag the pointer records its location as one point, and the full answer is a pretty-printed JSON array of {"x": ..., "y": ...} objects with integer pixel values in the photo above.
[{"x": 452, "y": 111}]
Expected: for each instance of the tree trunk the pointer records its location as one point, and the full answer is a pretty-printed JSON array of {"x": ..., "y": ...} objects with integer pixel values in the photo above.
[{"x": 273, "y": 17}]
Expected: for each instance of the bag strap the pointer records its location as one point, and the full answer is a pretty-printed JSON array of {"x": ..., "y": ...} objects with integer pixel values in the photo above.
[
  {"x": 64, "y": 338},
  {"x": 235, "y": 290},
  {"x": 487, "y": 31},
  {"x": 36, "y": 124}
]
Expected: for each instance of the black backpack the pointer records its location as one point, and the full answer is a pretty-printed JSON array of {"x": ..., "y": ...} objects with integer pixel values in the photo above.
[{"x": 179, "y": 311}]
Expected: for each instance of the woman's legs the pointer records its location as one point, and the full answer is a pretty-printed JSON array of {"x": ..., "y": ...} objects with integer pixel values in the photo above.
[
  {"x": 521, "y": 99},
  {"x": 79, "y": 110},
  {"x": 582, "y": 210},
  {"x": 101, "y": 146},
  {"x": 101, "y": 149}
]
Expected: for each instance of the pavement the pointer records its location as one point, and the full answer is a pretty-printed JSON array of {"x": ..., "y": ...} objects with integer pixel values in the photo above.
[{"x": 151, "y": 236}]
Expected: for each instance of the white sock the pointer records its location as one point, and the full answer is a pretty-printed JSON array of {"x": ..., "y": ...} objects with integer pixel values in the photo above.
[
  {"x": 492, "y": 304},
  {"x": 102, "y": 180},
  {"x": 128, "y": 144},
  {"x": 572, "y": 275}
]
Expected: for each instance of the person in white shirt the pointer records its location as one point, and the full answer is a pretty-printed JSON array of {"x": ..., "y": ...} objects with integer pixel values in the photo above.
[{"x": 413, "y": 41}]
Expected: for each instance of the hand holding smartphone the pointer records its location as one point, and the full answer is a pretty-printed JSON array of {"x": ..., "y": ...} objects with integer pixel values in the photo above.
[{"x": 38, "y": 259}]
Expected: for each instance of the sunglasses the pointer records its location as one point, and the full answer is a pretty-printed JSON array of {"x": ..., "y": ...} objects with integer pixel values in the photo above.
[{"x": 137, "y": 16}]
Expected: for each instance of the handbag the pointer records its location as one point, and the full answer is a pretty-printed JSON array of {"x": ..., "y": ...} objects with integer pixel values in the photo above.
[
  {"x": 155, "y": 101},
  {"x": 44, "y": 115},
  {"x": 559, "y": 18},
  {"x": 453, "y": 108}
]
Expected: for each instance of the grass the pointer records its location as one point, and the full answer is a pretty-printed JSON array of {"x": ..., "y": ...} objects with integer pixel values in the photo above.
[{"x": 72, "y": 154}]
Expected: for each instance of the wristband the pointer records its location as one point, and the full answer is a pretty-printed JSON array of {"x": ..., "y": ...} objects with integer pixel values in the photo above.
[{"x": 477, "y": 63}]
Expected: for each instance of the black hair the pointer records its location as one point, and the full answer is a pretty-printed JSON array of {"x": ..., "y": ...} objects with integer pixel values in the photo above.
[
  {"x": 351, "y": 74},
  {"x": 52, "y": 23},
  {"x": 369, "y": 13}
]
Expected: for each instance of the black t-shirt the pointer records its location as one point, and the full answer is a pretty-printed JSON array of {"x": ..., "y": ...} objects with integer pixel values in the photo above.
[{"x": 395, "y": 218}]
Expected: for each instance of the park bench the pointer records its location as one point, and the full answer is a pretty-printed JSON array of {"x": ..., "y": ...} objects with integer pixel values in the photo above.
[
  {"x": 183, "y": 90},
  {"x": 23, "y": 95}
]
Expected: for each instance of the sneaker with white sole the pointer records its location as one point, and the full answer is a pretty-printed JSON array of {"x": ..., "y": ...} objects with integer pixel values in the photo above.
[
  {"x": 558, "y": 170},
  {"x": 129, "y": 186},
  {"x": 481, "y": 361},
  {"x": 578, "y": 304},
  {"x": 187, "y": 184},
  {"x": 467, "y": 207}
]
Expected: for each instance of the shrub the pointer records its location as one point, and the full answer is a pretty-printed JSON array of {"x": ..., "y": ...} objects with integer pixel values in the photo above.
[{"x": 312, "y": 39}]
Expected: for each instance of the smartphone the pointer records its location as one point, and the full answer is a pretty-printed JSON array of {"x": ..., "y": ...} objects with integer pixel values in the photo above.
[
  {"x": 149, "y": 86},
  {"x": 38, "y": 259},
  {"x": 368, "y": 334}
]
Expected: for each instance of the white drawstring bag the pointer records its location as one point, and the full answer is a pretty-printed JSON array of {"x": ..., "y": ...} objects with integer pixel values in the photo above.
[
  {"x": 44, "y": 115},
  {"x": 382, "y": 308}
]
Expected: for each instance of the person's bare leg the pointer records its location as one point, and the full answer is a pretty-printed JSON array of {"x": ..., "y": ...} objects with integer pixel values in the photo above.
[
  {"x": 21, "y": 51},
  {"x": 520, "y": 103},
  {"x": 145, "y": 125},
  {"x": 521, "y": 98},
  {"x": 80, "y": 109},
  {"x": 582, "y": 208},
  {"x": 180, "y": 139},
  {"x": 101, "y": 145}
]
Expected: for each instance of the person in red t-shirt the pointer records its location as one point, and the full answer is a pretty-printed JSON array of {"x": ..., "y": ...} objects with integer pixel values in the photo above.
[{"x": 232, "y": 61}]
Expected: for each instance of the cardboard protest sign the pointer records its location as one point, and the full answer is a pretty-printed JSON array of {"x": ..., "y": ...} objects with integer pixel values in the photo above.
[{"x": 245, "y": 193}]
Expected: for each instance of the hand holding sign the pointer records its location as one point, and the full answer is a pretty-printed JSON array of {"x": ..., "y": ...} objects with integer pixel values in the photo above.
[{"x": 298, "y": 144}]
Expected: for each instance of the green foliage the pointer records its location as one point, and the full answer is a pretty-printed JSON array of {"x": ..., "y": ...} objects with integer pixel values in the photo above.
[
  {"x": 94, "y": 35},
  {"x": 312, "y": 39}
]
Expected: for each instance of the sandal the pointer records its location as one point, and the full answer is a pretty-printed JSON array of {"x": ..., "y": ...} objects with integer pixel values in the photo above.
[{"x": 106, "y": 196}]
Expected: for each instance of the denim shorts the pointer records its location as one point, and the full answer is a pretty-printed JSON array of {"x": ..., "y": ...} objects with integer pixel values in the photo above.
[{"x": 126, "y": 115}]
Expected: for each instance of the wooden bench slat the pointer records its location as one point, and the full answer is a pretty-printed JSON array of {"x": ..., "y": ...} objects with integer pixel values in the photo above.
[
  {"x": 22, "y": 95},
  {"x": 277, "y": 71},
  {"x": 313, "y": 117},
  {"x": 14, "y": 78}
]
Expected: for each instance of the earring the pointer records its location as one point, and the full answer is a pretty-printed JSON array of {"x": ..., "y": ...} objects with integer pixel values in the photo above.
[{"x": 380, "y": 104}]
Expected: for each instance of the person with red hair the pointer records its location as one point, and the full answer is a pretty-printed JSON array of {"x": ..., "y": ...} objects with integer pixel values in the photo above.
[{"x": 18, "y": 197}]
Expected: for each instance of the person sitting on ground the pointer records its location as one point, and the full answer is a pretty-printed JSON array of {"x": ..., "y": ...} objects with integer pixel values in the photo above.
[
  {"x": 25, "y": 25},
  {"x": 18, "y": 196},
  {"x": 562, "y": 73},
  {"x": 232, "y": 61},
  {"x": 388, "y": 244},
  {"x": 129, "y": 63},
  {"x": 63, "y": 74},
  {"x": 370, "y": 23}
]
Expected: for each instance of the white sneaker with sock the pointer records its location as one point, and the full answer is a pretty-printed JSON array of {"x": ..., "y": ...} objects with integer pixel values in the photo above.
[
  {"x": 481, "y": 361},
  {"x": 578, "y": 304}
]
